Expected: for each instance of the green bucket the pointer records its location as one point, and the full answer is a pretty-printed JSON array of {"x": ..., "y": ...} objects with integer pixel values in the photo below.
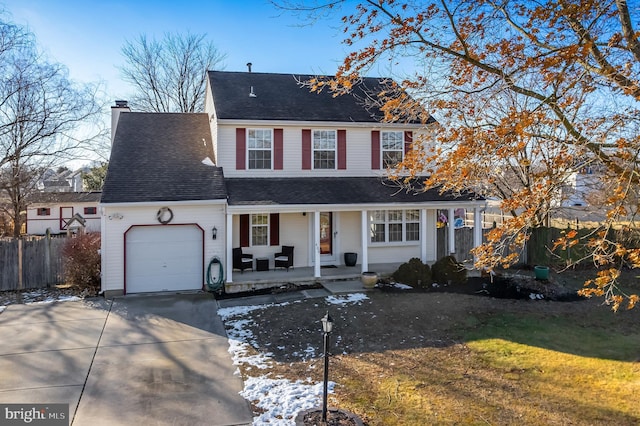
[{"x": 542, "y": 272}]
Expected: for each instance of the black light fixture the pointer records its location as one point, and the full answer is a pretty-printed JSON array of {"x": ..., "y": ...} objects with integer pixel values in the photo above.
[
  {"x": 327, "y": 328},
  {"x": 214, "y": 233}
]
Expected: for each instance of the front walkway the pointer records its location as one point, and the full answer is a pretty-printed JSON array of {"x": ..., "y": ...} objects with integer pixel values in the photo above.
[{"x": 255, "y": 280}]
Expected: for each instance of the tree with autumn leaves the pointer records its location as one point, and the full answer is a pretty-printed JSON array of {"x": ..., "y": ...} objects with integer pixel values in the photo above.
[{"x": 526, "y": 93}]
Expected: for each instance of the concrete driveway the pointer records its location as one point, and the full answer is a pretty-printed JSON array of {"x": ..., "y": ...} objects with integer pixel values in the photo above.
[{"x": 152, "y": 360}]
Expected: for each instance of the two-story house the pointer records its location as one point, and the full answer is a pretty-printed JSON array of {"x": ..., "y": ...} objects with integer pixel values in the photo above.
[{"x": 269, "y": 164}]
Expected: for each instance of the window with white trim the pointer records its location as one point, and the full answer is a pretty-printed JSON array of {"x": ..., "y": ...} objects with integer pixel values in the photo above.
[
  {"x": 394, "y": 225},
  {"x": 259, "y": 148},
  {"x": 392, "y": 148},
  {"x": 260, "y": 229},
  {"x": 324, "y": 149}
]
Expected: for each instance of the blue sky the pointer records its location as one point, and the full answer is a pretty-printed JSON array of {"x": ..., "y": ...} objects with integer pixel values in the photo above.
[{"x": 87, "y": 36}]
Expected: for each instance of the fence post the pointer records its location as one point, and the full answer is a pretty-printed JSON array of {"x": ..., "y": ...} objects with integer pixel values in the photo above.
[
  {"x": 20, "y": 248},
  {"x": 47, "y": 258}
]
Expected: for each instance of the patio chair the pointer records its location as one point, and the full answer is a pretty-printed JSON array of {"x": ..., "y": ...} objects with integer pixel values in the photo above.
[
  {"x": 241, "y": 260},
  {"x": 284, "y": 259}
]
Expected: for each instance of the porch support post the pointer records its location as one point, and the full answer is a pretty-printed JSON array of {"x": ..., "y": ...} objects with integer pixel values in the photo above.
[
  {"x": 477, "y": 227},
  {"x": 228, "y": 243},
  {"x": 452, "y": 232},
  {"x": 316, "y": 244},
  {"x": 423, "y": 235},
  {"x": 364, "y": 221}
]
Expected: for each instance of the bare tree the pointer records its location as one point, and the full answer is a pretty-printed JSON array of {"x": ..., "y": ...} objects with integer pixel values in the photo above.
[
  {"x": 170, "y": 75},
  {"x": 41, "y": 111}
]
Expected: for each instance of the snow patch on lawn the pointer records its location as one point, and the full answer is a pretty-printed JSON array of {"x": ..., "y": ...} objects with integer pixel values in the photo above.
[
  {"x": 401, "y": 286},
  {"x": 279, "y": 399},
  {"x": 53, "y": 299},
  {"x": 355, "y": 298}
]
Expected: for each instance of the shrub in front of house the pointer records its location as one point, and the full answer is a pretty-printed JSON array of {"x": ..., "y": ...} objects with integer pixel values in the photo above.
[
  {"x": 449, "y": 271},
  {"x": 414, "y": 273},
  {"x": 82, "y": 260}
]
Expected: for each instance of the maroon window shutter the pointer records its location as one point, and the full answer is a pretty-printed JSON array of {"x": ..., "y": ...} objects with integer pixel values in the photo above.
[
  {"x": 408, "y": 140},
  {"x": 342, "y": 149},
  {"x": 244, "y": 230},
  {"x": 274, "y": 229},
  {"x": 306, "y": 149},
  {"x": 375, "y": 149},
  {"x": 241, "y": 148},
  {"x": 277, "y": 149}
]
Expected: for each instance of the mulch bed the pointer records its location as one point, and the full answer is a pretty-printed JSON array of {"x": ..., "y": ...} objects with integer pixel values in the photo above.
[
  {"x": 501, "y": 287},
  {"x": 335, "y": 417}
]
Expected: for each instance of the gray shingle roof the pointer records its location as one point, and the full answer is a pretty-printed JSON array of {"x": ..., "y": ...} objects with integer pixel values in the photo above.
[
  {"x": 328, "y": 190},
  {"x": 280, "y": 97},
  {"x": 158, "y": 157},
  {"x": 64, "y": 197}
]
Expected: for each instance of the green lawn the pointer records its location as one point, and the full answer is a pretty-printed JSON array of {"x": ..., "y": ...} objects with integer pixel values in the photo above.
[{"x": 510, "y": 368}]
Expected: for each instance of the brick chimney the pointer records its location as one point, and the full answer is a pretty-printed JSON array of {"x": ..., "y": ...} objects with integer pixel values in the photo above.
[{"x": 121, "y": 106}]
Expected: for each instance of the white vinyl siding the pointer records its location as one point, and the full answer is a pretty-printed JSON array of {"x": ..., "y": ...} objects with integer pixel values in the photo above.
[
  {"x": 121, "y": 218},
  {"x": 358, "y": 153}
]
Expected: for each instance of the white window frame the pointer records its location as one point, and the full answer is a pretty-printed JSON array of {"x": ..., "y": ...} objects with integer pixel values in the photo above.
[
  {"x": 253, "y": 226},
  {"x": 261, "y": 149},
  {"x": 388, "y": 219},
  {"x": 385, "y": 135},
  {"x": 314, "y": 149}
]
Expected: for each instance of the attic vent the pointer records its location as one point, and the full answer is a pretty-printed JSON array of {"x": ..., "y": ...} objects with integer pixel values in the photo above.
[
  {"x": 249, "y": 66},
  {"x": 252, "y": 93}
]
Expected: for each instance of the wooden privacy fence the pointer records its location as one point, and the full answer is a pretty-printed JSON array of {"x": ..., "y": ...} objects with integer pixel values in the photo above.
[
  {"x": 31, "y": 263},
  {"x": 539, "y": 248}
]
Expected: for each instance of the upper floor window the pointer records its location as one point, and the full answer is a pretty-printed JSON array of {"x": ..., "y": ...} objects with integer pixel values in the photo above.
[
  {"x": 259, "y": 148},
  {"x": 395, "y": 226},
  {"x": 44, "y": 211},
  {"x": 392, "y": 148},
  {"x": 260, "y": 229},
  {"x": 324, "y": 149},
  {"x": 90, "y": 210}
]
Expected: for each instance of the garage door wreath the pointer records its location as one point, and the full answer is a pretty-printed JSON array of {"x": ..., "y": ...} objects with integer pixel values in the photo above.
[{"x": 162, "y": 216}]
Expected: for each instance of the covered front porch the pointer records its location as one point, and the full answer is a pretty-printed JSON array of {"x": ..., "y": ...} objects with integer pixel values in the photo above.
[
  {"x": 256, "y": 280},
  {"x": 320, "y": 220}
]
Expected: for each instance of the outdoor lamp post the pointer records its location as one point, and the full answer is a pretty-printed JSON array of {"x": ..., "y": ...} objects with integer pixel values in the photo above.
[{"x": 327, "y": 327}]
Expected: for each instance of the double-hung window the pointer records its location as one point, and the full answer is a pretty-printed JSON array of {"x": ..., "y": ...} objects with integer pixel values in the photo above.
[
  {"x": 259, "y": 148},
  {"x": 260, "y": 229},
  {"x": 324, "y": 149},
  {"x": 394, "y": 226},
  {"x": 392, "y": 148}
]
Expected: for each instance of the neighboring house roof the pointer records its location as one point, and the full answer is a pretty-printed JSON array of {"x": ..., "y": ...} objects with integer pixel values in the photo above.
[
  {"x": 281, "y": 97},
  {"x": 64, "y": 197},
  {"x": 159, "y": 157},
  {"x": 328, "y": 190}
]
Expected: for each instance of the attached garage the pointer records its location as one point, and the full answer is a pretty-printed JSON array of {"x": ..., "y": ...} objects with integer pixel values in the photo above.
[{"x": 163, "y": 258}]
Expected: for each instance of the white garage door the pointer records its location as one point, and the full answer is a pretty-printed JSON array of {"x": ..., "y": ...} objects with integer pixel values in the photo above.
[{"x": 163, "y": 258}]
